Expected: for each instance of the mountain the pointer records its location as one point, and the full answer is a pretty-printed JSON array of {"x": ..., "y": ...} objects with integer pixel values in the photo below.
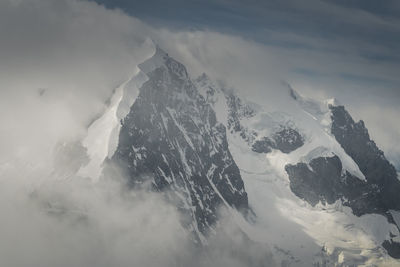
[
  {"x": 301, "y": 176},
  {"x": 171, "y": 137}
]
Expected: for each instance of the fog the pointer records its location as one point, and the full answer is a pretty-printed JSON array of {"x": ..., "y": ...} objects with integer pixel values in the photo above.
[
  {"x": 60, "y": 62},
  {"x": 73, "y": 222}
]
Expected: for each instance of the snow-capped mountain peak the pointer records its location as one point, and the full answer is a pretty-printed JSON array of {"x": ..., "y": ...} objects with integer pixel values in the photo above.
[{"x": 304, "y": 169}]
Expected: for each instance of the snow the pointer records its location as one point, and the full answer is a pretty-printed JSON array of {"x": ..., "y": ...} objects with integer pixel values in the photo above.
[
  {"x": 285, "y": 221},
  {"x": 311, "y": 118},
  {"x": 293, "y": 227},
  {"x": 102, "y": 138},
  {"x": 317, "y": 124},
  {"x": 99, "y": 134}
]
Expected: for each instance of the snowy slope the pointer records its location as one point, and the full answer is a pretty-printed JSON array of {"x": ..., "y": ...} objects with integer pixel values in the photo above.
[
  {"x": 102, "y": 137},
  {"x": 294, "y": 228}
]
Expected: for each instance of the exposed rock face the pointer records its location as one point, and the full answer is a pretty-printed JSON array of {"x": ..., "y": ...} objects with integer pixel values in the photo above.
[
  {"x": 380, "y": 174},
  {"x": 288, "y": 140},
  {"x": 324, "y": 179},
  {"x": 285, "y": 140},
  {"x": 392, "y": 248},
  {"x": 238, "y": 110},
  {"x": 264, "y": 145},
  {"x": 171, "y": 138},
  {"x": 378, "y": 194},
  {"x": 355, "y": 140},
  {"x": 320, "y": 181}
]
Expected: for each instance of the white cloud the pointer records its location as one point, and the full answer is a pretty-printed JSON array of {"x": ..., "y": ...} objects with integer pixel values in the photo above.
[{"x": 59, "y": 63}]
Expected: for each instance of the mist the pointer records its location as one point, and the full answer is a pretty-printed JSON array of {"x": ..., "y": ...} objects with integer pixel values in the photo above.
[
  {"x": 60, "y": 62},
  {"x": 75, "y": 222}
]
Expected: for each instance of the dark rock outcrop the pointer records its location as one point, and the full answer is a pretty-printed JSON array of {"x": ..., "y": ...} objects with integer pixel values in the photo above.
[
  {"x": 392, "y": 248},
  {"x": 378, "y": 171},
  {"x": 285, "y": 140},
  {"x": 378, "y": 194},
  {"x": 324, "y": 180},
  {"x": 265, "y": 145}
]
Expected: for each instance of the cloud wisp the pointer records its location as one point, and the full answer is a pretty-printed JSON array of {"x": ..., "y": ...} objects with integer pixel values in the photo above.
[{"x": 60, "y": 62}]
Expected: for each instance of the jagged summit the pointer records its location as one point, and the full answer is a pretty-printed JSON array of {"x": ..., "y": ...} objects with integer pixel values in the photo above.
[
  {"x": 157, "y": 60},
  {"x": 161, "y": 59}
]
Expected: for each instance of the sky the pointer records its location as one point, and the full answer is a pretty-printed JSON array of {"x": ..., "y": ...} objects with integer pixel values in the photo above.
[
  {"x": 325, "y": 48},
  {"x": 370, "y": 26}
]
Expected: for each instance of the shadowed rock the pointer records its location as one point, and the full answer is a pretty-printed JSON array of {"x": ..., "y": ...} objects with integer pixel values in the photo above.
[
  {"x": 324, "y": 180},
  {"x": 285, "y": 140}
]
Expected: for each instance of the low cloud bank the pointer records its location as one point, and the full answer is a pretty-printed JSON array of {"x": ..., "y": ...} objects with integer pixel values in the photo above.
[
  {"x": 59, "y": 64},
  {"x": 74, "y": 222}
]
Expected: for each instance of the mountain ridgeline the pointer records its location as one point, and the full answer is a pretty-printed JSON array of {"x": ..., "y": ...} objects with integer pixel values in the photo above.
[{"x": 196, "y": 142}]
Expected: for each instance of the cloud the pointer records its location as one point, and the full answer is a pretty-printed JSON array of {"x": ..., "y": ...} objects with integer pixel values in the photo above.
[
  {"x": 59, "y": 64},
  {"x": 73, "y": 222},
  {"x": 60, "y": 61}
]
